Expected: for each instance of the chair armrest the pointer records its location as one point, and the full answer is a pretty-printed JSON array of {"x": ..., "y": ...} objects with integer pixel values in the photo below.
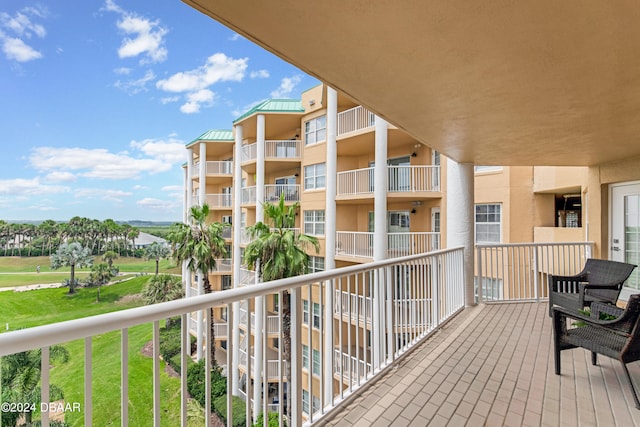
[
  {"x": 587, "y": 285},
  {"x": 560, "y": 313},
  {"x": 598, "y": 308}
]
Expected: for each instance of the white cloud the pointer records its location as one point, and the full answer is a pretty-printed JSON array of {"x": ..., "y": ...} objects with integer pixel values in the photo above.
[
  {"x": 61, "y": 176},
  {"x": 20, "y": 28},
  {"x": 116, "y": 196},
  {"x": 17, "y": 50},
  {"x": 235, "y": 36},
  {"x": 219, "y": 67},
  {"x": 133, "y": 87},
  {"x": 139, "y": 187},
  {"x": 144, "y": 37},
  {"x": 197, "y": 99},
  {"x": 169, "y": 99},
  {"x": 195, "y": 83},
  {"x": 170, "y": 151},
  {"x": 157, "y": 204},
  {"x": 172, "y": 188},
  {"x": 29, "y": 187},
  {"x": 99, "y": 163},
  {"x": 240, "y": 111},
  {"x": 259, "y": 74},
  {"x": 287, "y": 85},
  {"x": 123, "y": 71}
]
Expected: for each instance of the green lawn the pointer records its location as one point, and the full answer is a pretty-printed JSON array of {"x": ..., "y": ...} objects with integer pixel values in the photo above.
[
  {"x": 21, "y": 271},
  {"x": 32, "y": 308}
]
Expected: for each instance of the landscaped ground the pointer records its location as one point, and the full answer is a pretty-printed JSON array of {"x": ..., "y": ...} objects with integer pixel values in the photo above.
[{"x": 37, "y": 307}]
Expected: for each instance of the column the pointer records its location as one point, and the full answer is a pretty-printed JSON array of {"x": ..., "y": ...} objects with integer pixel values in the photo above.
[
  {"x": 330, "y": 235},
  {"x": 237, "y": 262},
  {"x": 258, "y": 344},
  {"x": 460, "y": 219},
  {"x": 202, "y": 190},
  {"x": 379, "y": 238}
]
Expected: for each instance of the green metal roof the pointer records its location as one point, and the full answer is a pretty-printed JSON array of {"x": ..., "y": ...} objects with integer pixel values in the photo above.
[
  {"x": 214, "y": 135},
  {"x": 274, "y": 106}
]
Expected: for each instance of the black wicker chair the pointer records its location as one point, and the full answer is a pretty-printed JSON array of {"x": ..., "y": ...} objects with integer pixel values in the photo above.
[
  {"x": 600, "y": 280},
  {"x": 618, "y": 339}
]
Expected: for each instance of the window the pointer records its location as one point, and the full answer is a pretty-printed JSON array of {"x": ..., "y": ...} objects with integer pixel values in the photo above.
[
  {"x": 316, "y": 404},
  {"x": 316, "y": 362},
  {"x": 305, "y": 401},
  {"x": 488, "y": 223},
  {"x": 305, "y": 356},
  {"x": 276, "y": 343},
  {"x": 316, "y": 315},
  {"x": 314, "y": 176},
  {"x": 315, "y": 130},
  {"x": 226, "y": 282},
  {"x": 224, "y": 314},
  {"x": 316, "y": 263},
  {"x": 314, "y": 223},
  {"x": 305, "y": 312}
]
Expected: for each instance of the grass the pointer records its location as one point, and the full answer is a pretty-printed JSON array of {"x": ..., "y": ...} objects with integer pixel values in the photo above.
[
  {"x": 32, "y": 308},
  {"x": 21, "y": 271}
]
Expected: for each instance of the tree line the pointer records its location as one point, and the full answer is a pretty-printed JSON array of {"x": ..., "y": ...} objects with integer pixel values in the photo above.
[{"x": 45, "y": 238}]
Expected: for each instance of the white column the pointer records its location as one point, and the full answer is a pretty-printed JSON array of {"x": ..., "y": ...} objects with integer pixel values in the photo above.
[
  {"x": 186, "y": 274},
  {"x": 258, "y": 345},
  {"x": 379, "y": 237},
  {"x": 202, "y": 173},
  {"x": 460, "y": 218},
  {"x": 330, "y": 236},
  {"x": 237, "y": 262}
]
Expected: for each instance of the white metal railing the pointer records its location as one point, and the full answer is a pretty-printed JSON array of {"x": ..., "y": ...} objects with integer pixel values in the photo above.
[
  {"x": 354, "y": 182},
  {"x": 249, "y": 195},
  {"x": 227, "y": 232},
  {"x": 291, "y": 192},
  {"x": 434, "y": 280},
  {"x": 247, "y": 277},
  {"x": 223, "y": 265},
  {"x": 282, "y": 149},
  {"x": 219, "y": 167},
  {"x": 354, "y": 243},
  {"x": 350, "y": 368},
  {"x": 413, "y": 179},
  {"x": 245, "y": 237},
  {"x": 219, "y": 200},
  {"x": 360, "y": 243},
  {"x": 221, "y": 331},
  {"x": 354, "y": 119},
  {"x": 410, "y": 179},
  {"x": 520, "y": 271},
  {"x": 273, "y": 325},
  {"x": 355, "y": 306},
  {"x": 249, "y": 152}
]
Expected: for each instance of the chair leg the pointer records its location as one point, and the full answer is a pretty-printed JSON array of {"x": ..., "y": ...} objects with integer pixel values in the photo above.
[
  {"x": 633, "y": 389},
  {"x": 557, "y": 359},
  {"x": 594, "y": 358}
]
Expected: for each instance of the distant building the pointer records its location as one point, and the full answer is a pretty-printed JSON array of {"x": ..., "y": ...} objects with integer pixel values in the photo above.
[{"x": 146, "y": 239}]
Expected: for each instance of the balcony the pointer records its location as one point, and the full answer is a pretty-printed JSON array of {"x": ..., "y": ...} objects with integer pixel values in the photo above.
[
  {"x": 219, "y": 201},
  {"x": 407, "y": 181},
  {"x": 487, "y": 365},
  {"x": 272, "y": 193},
  {"x": 277, "y": 154},
  {"x": 359, "y": 244},
  {"x": 354, "y": 120},
  {"x": 214, "y": 168}
]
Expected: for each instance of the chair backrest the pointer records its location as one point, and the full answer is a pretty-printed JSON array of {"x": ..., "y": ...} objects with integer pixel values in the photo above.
[
  {"x": 631, "y": 324},
  {"x": 604, "y": 271}
]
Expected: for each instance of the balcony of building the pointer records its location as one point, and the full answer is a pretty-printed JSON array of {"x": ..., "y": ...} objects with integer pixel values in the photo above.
[
  {"x": 278, "y": 154},
  {"x": 486, "y": 365},
  {"x": 272, "y": 193},
  {"x": 403, "y": 182},
  {"x": 357, "y": 246},
  {"x": 216, "y": 171}
]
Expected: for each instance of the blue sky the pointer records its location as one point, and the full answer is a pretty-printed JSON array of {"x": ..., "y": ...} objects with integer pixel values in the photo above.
[{"x": 99, "y": 98}]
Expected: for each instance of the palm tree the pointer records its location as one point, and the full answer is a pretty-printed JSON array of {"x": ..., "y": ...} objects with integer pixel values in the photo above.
[
  {"x": 162, "y": 288},
  {"x": 109, "y": 257},
  {"x": 279, "y": 252},
  {"x": 156, "y": 251},
  {"x": 199, "y": 244},
  {"x": 100, "y": 275},
  {"x": 71, "y": 255}
]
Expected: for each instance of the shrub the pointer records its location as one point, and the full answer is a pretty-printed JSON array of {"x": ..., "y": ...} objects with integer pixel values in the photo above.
[
  {"x": 195, "y": 382},
  {"x": 170, "y": 344},
  {"x": 237, "y": 407},
  {"x": 273, "y": 420}
]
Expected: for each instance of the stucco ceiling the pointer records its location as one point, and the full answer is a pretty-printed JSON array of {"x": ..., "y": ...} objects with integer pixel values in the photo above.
[{"x": 491, "y": 82}]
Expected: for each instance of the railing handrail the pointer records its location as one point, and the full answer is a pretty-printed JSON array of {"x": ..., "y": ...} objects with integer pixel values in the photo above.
[
  {"x": 54, "y": 333},
  {"x": 493, "y": 245}
]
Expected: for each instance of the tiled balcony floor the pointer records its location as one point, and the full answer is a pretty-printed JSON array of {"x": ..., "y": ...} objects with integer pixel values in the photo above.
[{"x": 493, "y": 366}]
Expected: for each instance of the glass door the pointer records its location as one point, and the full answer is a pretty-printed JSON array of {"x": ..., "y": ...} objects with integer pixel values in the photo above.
[
  {"x": 624, "y": 245},
  {"x": 399, "y": 174}
]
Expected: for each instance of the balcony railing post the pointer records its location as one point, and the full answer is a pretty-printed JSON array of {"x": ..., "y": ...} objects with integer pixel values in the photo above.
[
  {"x": 479, "y": 279},
  {"x": 295, "y": 380}
]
